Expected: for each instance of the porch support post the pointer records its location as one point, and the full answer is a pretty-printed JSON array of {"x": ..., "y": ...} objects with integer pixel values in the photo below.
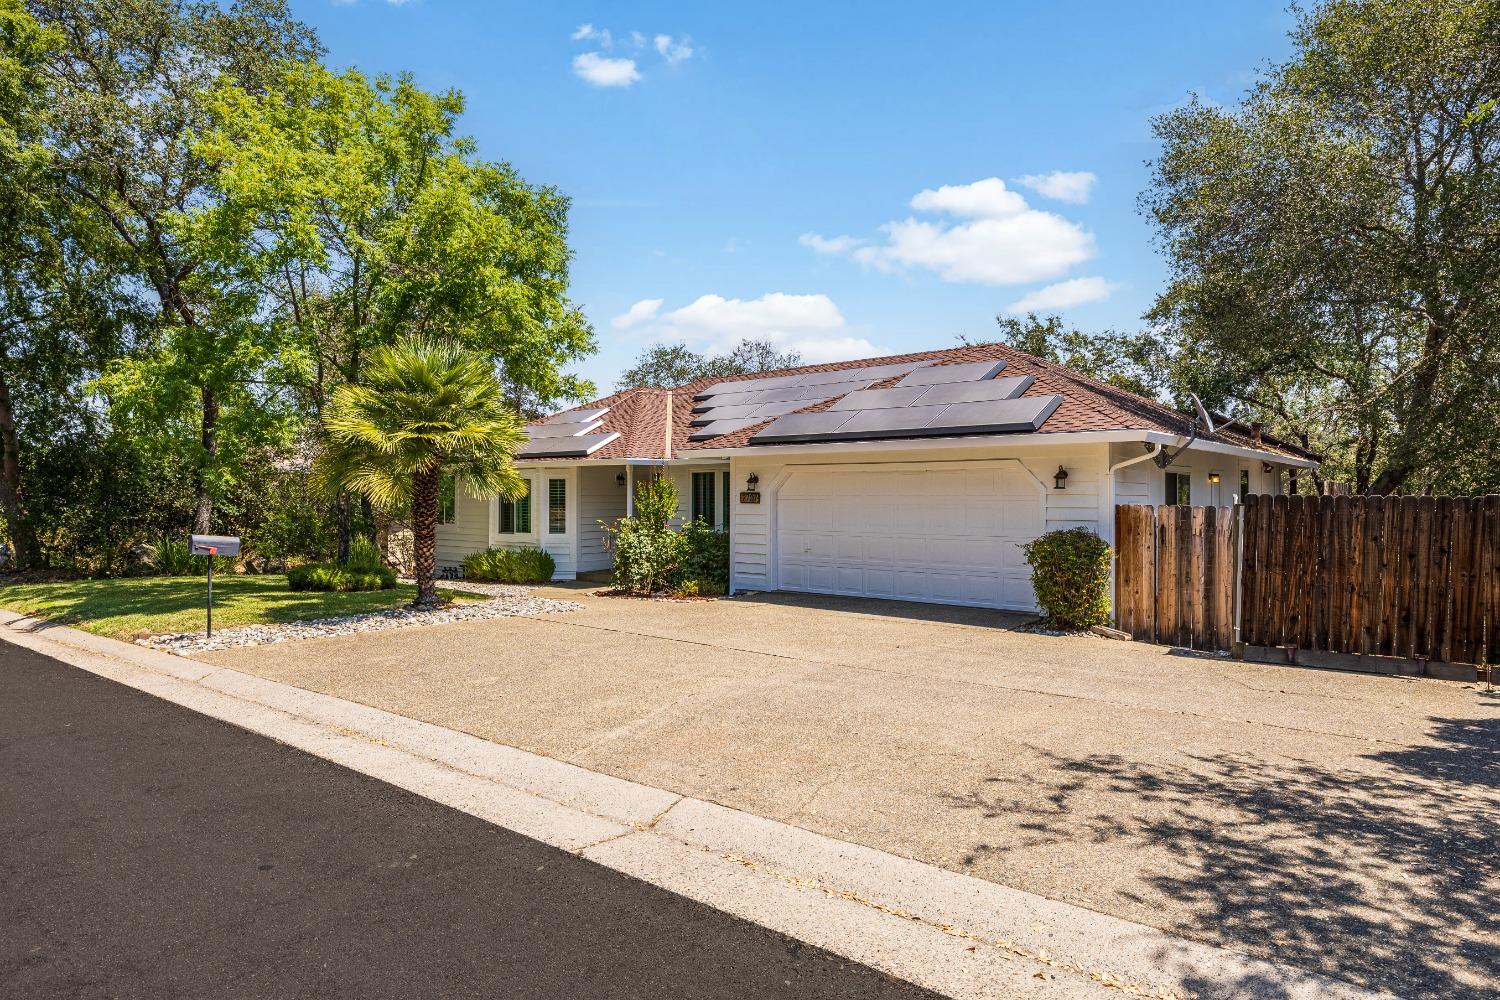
[{"x": 629, "y": 490}]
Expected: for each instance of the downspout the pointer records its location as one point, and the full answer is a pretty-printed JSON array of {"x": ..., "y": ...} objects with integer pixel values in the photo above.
[{"x": 1131, "y": 461}]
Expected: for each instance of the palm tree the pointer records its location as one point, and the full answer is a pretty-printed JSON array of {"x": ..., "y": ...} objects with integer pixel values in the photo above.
[{"x": 423, "y": 409}]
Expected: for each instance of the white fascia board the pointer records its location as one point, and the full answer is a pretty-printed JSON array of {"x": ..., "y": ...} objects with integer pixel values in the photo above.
[{"x": 1238, "y": 451}]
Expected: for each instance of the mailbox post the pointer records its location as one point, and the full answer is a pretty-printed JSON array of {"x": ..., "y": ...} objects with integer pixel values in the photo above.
[{"x": 210, "y": 546}]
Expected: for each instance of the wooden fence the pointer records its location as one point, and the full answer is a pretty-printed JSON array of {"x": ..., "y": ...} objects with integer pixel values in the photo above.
[
  {"x": 1412, "y": 577},
  {"x": 1175, "y": 574},
  {"x": 1415, "y": 577}
]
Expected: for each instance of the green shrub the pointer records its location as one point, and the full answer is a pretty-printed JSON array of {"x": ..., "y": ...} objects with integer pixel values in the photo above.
[
  {"x": 656, "y": 503},
  {"x": 533, "y": 565},
  {"x": 330, "y": 577},
  {"x": 528, "y": 565},
  {"x": 705, "y": 558},
  {"x": 646, "y": 557},
  {"x": 364, "y": 554},
  {"x": 172, "y": 558},
  {"x": 699, "y": 588},
  {"x": 1070, "y": 574}
]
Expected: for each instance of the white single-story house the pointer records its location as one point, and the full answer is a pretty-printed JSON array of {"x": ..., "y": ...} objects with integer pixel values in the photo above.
[{"x": 914, "y": 478}]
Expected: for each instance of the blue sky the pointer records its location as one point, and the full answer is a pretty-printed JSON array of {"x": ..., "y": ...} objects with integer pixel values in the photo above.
[{"x": 847, "y": 179}]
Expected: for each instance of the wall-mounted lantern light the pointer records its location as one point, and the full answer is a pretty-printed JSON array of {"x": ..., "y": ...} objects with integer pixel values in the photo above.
[
  {"x": 1213, "y": 477},
  {"x": 1267, "y": 468},
  {"x": 1060, "y": 480},
  {"x": 751, "y": 482},
  {"x": 619, "y": 479}
]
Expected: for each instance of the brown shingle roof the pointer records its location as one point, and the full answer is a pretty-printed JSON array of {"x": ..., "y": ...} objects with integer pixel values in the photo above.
[{"x": 642, "y": 415}]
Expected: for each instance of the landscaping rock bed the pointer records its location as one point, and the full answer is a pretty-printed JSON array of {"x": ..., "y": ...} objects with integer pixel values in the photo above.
[{"x": 504, "y": 602}]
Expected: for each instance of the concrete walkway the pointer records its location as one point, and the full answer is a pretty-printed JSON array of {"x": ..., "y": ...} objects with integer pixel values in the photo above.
[
  {"x": 949, "y": 933},
  {"x": 1340, "y": 822}
]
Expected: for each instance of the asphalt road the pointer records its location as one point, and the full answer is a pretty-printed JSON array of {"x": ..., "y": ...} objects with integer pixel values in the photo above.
[{"x": 146, "y": 851}]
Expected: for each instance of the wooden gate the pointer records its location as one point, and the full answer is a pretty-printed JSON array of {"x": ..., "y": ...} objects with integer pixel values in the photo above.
[
  {"x": 1414, "y": 577},
  {"x": 1175, "y": 574}
]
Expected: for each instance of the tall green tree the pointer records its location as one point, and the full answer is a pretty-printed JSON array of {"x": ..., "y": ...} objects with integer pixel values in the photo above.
[
  {"x": 352, "y": 211},
  {"x": 129, "y": 86},
  {"x": 664, "y": 366},
  {"x": 63, "y": 311},
  {"x": 1334, "y": 243},
  {"x": 423, "y": 410}
]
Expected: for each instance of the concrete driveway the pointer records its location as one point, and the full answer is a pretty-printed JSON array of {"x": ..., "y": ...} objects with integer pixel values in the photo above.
[{"x": 1346, "y": 823}]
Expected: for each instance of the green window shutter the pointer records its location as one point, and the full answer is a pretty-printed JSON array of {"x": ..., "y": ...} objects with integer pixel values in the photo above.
[
  {"x": 515, "y": 515},
  {"x": 557, "y": 506},
  {"x": 523, "y": 512},
  {"x": 703, "y": 497}
]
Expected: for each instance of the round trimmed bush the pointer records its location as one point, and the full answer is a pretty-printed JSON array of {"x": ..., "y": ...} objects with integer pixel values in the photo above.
[{"x": 1070, "y": 574}]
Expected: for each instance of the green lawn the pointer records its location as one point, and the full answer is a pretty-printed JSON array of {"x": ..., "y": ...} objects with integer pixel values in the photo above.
[{"x": 124, "y": 608}]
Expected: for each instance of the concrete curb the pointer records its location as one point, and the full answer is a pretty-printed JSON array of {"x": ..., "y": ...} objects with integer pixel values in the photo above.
[{"x": 960, "y": 936}]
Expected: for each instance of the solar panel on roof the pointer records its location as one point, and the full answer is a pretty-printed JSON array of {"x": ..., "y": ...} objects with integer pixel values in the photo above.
[
  {"x": 974, "y": 371},
  {"x": 997, "y": 415},
  {"x": 566, "y": 447},
  {"x": 560, "y": 430},
  {"x": 880, "y": 399},
  {"x": 719, "y": 428},
  {"x": 748, "y": 384},
  {"x": 871, "y": 373},
  {"x": 877, "y": 422},
  {"x": 725, "y": 412},
  {"x": 974, "y": 392},
  {"x": 764, "y": 410},
  {"x": 801, "y": 427},
  {"x": 577, "y": 416}
]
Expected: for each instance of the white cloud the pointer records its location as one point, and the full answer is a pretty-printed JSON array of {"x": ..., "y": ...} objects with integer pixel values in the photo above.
[
  {"x": 829, "y": 244},
  {"x": 602, "y": 71},
  {"x": 1063, "y": 295},
  {"x": 989, "y": 198},
  {"x": 1064, "y": 185},
  {"x": 1000, "y": 240},
  {"x": 673, "y": 50},
  {"x": 587, "y": 32},
  {"x": 645, "y": 309},
  {"x": 809, "y": 324}
]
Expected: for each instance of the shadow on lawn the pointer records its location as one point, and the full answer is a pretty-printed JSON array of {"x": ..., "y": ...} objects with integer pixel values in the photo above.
[{"x": 1384, "y": 875}]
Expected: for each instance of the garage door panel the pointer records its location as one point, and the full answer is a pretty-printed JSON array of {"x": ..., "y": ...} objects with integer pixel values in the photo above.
[{"x": 951, "y": 535}]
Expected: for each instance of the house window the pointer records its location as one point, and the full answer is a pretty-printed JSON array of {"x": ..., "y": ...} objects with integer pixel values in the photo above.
[
  {"x": 1244, "y": 483},
  {"x": 557, "y": 506},
  {"x": 1179, "y": 488},
  {"x": 703, "y": 497},
  {"x": 515, "y": 515},
  {"x": 447, "y": 499}
]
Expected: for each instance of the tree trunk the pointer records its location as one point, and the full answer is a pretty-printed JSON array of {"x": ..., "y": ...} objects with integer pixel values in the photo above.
[
  {"x": 18, "y": 524},
  {"x": 204, "y": 511},
  {"x": 424, "y": 515},
  {"x": 341, "y": 513}
]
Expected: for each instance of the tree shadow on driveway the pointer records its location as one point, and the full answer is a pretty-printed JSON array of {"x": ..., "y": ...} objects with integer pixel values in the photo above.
[{"x": 1382, "y": 872}]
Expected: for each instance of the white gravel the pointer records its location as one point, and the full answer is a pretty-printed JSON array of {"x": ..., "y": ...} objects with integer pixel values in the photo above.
[{"x": 505, "y": 602}]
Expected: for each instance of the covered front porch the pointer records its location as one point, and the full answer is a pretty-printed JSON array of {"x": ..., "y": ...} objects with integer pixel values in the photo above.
[{"x": 568, "y": 505}]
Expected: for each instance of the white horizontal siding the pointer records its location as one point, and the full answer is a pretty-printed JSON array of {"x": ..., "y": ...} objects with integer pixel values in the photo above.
[{"x": 600, "y": 498}]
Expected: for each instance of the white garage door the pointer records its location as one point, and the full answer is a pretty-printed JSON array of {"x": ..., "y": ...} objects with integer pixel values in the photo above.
[{"x": 946, "y": 535}]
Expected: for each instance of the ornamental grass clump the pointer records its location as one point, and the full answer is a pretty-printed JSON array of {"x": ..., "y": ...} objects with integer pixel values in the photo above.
[
  {"x": 1070, "y": 575},
  {"x": 526, "y": 565}
]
